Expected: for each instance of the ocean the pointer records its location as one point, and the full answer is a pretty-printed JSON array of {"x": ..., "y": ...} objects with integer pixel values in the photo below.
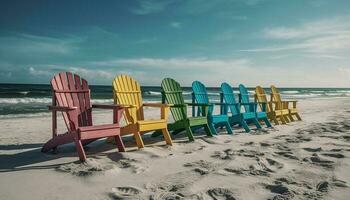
[{"x": 23, "y": 100}]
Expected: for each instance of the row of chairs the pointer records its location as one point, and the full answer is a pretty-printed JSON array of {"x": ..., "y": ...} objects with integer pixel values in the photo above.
[{"x": 71, "y": 96}]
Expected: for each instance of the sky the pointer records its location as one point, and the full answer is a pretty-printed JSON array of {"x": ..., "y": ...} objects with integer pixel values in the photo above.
[{"x": 289, "y": 43}]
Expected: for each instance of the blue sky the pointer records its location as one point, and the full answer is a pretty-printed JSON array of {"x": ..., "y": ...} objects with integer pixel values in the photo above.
[{"x": 295, "y": 43}]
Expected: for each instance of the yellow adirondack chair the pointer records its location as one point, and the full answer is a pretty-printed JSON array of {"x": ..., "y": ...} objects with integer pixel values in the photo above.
[
  {"x": 127, "y": 92},
  {"x": 274, "y": 111},
  {"x": 276, "y": 96}
]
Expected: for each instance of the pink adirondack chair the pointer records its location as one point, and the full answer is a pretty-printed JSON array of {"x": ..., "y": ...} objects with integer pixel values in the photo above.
[{"x": 71, "y": 96}]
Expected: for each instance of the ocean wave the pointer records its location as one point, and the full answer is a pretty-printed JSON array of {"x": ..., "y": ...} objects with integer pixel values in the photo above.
[
  {"x": 154, "y": 93},
  {"x": 42, "y": 100},
  {"x": 22, "y": 115},
  {"x": 302, "y": 96},
  {"x": 24, "y": 92},
  {"x": 290, "y": 92},
  {"x": 24, "y": 100}
]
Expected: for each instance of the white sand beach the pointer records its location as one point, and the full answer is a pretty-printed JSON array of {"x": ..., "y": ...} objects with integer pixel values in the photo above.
[{"x": 302, "y": 160}]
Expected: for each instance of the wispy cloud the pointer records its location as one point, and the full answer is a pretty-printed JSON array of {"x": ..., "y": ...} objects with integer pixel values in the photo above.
[
  {"x": 32, "y": 44},
  {"x": 324, "y": 37},
  {"x": 150, "y": 6},
  {"x": 176, "y": 24}
]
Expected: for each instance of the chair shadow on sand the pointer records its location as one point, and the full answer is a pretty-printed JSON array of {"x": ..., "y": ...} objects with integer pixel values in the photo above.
[{"x": 31, "y": 157}]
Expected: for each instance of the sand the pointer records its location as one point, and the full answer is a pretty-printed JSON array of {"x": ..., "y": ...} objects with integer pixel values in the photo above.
[{"x": 302, "y": 160}]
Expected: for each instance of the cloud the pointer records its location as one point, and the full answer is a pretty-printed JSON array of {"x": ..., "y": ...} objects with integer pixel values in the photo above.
[
  {"x": 150, "y": 7},
  {"x": 328, "y": 37},
  {"x": 51, "y": 70},
  {"x": 32, "y": 44},
  {"x": 176, "y": 24},
  {"x": 37, "y": 72}
]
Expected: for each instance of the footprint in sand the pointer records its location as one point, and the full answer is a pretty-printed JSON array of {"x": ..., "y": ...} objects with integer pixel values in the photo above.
[
  {"x": 334, "y": 155},
  {"x": 287, "y": 154},
  {"x": 202, "y": 167},
  {"x": 133, "y": 164},
  {"x": 253, "y": 170},
  {"x": 264, "y": 144},
  {"x": 227, "y": 154},
  {"x": 309, "y": 149},
  {"x": 221, "y": 194},
  {"x": 119, "y": 193},
  {"x": 283, "y": 192},
  {"x": 174, "y": 186},
  {"x": 89, "y": 167},
  {"x": 249, "y": 153},
  {"x": 315, "y": 159}
]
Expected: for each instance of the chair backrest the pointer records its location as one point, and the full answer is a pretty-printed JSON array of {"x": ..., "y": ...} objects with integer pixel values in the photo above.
[
  {"x": 127, "y": 91},
  {"x": 200, "y": 94},
  {"x": 70, "y": 90},
  {"x": 172, "y": 94},
  {"x": 244, "y": 98},
  {"x": 229, "y": 97},
  {"x": 260, "y": 96},
  {"x": 276, "y": 96}
]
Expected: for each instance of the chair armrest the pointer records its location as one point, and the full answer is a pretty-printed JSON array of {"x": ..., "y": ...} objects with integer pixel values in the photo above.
[
  {"x": 251, "y": 103},
  {"x": 290, "y": 101},
  {"x": 110, "y": 106},
  {"x": 156, "y": 105},
  {"x": 62, "y": 108},
  {"x": 198, "y": 104},
  {"x": 221, "y": 104},
  {"x": 177, "y": 105},
  {"x": 126, "y": 106}
]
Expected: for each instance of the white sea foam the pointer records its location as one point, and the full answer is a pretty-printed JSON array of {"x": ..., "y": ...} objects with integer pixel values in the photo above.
[
  {"x": 290, "y": 92},
  {"x": 41, "y": 100}
]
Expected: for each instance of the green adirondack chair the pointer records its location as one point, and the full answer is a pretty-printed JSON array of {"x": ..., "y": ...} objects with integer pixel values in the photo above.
[{"x": 172, "y": 94}]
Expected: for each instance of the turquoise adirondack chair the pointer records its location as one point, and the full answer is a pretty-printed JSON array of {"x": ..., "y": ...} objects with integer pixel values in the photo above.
[
  {"x": 252, "y": 106},
  {"x": 230, "y": 104},
  {"x": 200, "y": 96}
]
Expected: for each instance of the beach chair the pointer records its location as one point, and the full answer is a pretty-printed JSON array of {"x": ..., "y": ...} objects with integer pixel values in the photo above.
[
  {"x": 127, "y": 92},
  {"x": 172, "y": 94},
  {"x": 292, "y": 108},
  {"x": 71, "y": 96},
  {"x": 244, "y": 99},
  {"x": 230, "y": 105},
  {"x": 274, "y": 112},
  {"x": 200, "y": 96}
]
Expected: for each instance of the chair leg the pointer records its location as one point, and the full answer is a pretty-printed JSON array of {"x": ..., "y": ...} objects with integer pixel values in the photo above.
[
  {"x": 189, "y": 133},
  {"x": 256, "y": 122},
  {"x": 139, "y": 140},
  {"x": 245, "y": 126},
  {"x": 207, "y": 130},
  {"x": 212, "y": 128},
  {"x": 167, "y": 136},
  {"x": 282, "y": 119},
  {"x": 80, "y": 150},
  {"x": 291, "y": 117},
  {"x": 119, "y": 142},
  {"x": 267, "y": 122},
  {"x": 177, "y": 131},
  {"x": 275, "y": 120},
  {"x": 286, "y": 118},
  {"x": 228, "y": 128},
  {"x": 298, "y": 116}
]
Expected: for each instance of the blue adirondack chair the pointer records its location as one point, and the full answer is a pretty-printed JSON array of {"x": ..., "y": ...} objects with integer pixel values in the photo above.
[
  {"x": 252, "y": 106},
  {"x": 230, "y": 104},
  {"x": 200, "y": 96}
]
